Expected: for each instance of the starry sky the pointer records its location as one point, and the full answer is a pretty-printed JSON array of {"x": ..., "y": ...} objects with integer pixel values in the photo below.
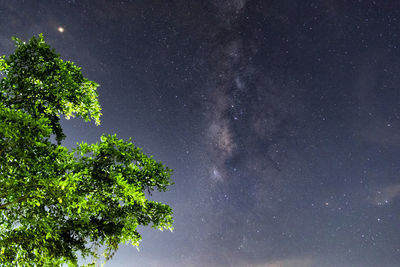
[{"x": 281, "y": 120}]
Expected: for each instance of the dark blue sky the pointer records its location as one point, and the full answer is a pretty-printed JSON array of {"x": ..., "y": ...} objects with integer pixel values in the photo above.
[{"x": 281, "y": 120}]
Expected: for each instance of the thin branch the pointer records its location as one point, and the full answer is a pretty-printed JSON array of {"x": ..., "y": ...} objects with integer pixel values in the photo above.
[{"x": 20, "y": 199}]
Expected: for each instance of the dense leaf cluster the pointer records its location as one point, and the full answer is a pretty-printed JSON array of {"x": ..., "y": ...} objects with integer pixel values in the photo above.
[{"x": 56, "y": 204}]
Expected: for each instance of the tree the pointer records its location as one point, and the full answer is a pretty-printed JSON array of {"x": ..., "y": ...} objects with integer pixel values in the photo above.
[{"x": 56, "y": 203}]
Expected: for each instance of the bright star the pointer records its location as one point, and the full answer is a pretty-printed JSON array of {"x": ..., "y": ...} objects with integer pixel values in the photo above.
[{"x": 60, "y": 29}]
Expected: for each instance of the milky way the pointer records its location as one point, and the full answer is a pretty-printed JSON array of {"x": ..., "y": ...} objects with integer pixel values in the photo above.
[{"x": 281, "y": 120}]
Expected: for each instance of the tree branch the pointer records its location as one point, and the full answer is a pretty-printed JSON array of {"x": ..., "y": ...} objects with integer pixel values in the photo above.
[{"x": 20, "y": 199}]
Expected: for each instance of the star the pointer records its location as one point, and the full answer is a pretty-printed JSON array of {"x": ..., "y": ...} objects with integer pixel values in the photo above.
[{"x": 60, "y": 29}]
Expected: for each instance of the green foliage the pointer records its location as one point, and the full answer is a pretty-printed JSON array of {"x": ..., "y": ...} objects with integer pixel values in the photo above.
[
  {"x": 56, "y": 204},
  {"x": 40, "y": 83}
]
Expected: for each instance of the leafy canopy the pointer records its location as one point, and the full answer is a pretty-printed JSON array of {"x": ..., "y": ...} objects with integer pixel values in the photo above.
[{"x": 56, "y": 204}]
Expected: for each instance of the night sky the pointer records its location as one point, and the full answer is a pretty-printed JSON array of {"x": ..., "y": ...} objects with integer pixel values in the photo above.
[{"x": 281, "y": 120}]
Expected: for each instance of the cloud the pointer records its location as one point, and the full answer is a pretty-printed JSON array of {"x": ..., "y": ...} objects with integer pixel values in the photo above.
[
  {"x": 296, "y": 262},
  {"x": 386, "y": 195}
]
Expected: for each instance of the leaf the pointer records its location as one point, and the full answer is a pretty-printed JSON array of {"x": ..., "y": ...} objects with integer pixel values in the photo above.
[{"x": 95, "y": 192}]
